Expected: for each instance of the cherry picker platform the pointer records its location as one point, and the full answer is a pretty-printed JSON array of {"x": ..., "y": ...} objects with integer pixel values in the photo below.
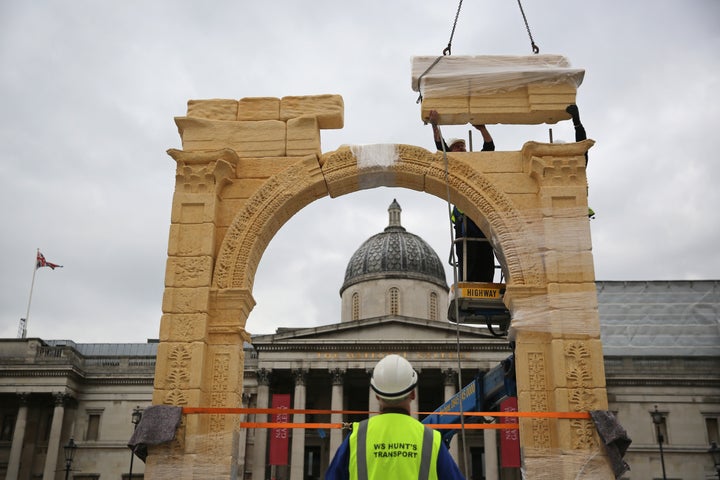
[{"x": 480, "y": 303}]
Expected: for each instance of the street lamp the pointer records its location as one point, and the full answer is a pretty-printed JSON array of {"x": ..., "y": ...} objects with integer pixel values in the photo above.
[
  {"x": 135, "y": 419},
  {"x": 715, "y": 452},
  {"x": 658, "y": 419},
  {"x": 69, "y": 454}
]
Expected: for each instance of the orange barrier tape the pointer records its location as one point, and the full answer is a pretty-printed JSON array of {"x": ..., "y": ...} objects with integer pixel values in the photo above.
[
  {"x": 289, "y": 411},
  {"x": 437, "y": 426}
]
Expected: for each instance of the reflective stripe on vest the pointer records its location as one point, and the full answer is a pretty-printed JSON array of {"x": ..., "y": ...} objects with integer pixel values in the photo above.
[{"x": 428, "y": 453}]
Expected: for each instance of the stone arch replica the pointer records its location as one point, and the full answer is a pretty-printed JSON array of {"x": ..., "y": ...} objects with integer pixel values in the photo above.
[{"x": 248, "y": 166}]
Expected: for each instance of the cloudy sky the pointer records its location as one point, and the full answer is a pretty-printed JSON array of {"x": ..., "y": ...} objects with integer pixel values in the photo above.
[{"x": 89, "y": 91}]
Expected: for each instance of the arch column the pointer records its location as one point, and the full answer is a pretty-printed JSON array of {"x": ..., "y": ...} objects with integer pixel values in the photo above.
[
  {"x": 336, "y": 403},
  {"x": 18, "y": 437},
  {"x": 297, "y": 458}
]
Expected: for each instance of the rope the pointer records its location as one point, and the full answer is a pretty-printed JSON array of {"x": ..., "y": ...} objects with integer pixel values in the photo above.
[{"x": 534, "y": 47}]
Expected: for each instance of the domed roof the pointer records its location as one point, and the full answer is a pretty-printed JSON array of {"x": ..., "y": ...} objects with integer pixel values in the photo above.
[{"x": 394, "y": 253}]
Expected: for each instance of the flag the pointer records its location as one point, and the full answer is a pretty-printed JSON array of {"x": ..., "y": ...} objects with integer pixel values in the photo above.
[{"x": 41, "y": 262}]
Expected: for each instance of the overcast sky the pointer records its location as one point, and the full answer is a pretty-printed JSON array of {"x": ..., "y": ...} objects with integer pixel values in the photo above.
[{"x": 90, "y": 89}]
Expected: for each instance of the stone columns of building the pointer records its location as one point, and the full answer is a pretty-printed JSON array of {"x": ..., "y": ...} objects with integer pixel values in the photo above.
[
  {"x": 373, "y": 403},
  {"x": 51, "y": 457},
  {"x": 242, "y": 439},
  {"x": 450, "y": 384},
  {"x": 415, "y": 403},
  {"x": 336, "y": 403},
  {"x": 297, "y": 458},
  {"x": 18, "y": 437},
  {"x": 491, "y": 456},
  {"x": 261, "y": 435}
]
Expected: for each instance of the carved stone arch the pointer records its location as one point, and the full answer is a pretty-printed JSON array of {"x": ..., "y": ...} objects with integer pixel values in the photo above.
[
  {"x": 339, "y": 173},
  {"x": 248, "y": 166},
  {"x": 251, "y": 230}
]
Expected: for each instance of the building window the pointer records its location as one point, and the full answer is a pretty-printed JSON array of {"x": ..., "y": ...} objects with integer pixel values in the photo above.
[
  {"x": 433, "y": 306},
  {"x": 711, "y": 424},
  {"x": 93, "y": 426},
  {"x": 8, "y": 426},
  {"x": 394, "y": 300},
  {"x": 356, "y": 306}
]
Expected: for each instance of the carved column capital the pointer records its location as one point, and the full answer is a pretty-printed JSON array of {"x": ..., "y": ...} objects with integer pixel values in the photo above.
[
  {"x": 337, "y": 376},
  {"x": 263, "y": 376},
  {"x": 449, "y": 377},
  {"x": 204, "y": 172},
  {"x": 60, "y": 398},
  {"x": 300, "y": 375}
]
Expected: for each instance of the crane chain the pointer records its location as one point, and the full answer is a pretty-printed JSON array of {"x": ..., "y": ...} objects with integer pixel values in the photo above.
[{"x": 534, "y": 47}]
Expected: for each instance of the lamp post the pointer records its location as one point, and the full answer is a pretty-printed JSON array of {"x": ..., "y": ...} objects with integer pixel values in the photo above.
[
  {"x": 135, "y": 419},
  {"x": 715, "y": 452},
  {"x": 658, "y": 419},
  {"x": 69, "y": 454}
]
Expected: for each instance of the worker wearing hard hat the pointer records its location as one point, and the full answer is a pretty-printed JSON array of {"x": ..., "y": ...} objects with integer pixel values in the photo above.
[
  {"x": 393, "y": 444},
  {"x": 458, "y": 144},
  {"x": 470, "y": 239}
]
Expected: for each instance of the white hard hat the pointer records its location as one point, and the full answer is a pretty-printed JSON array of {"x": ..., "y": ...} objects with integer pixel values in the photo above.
[
  {"x": 453, "y": 141},
  {"x": 393, "y": 377}
]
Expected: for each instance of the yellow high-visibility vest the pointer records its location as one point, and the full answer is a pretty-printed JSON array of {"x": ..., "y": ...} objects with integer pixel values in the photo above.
[{"x": 393, "y": 445}]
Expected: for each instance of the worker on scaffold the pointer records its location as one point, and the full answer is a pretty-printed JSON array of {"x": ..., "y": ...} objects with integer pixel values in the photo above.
[{"x": 480, "y": 257}]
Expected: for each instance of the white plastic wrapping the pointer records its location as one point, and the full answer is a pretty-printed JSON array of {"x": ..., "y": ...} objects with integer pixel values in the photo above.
[{"x": 450, "y": 76}]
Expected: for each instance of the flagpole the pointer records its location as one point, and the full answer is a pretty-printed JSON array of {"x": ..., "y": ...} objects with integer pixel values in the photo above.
[{"x": 32, "y": 286}]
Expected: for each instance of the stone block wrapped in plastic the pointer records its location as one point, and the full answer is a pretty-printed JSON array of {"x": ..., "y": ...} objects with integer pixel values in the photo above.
[{"x": 490, "y": 89}]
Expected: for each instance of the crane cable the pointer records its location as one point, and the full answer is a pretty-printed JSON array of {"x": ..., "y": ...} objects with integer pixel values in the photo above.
[
  {"x": 446, "y": 51},
  {"x": 454, "y": 264},
  {"x": 534, "y": 47}
]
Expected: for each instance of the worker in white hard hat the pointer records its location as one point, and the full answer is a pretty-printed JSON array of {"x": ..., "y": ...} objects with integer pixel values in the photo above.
[
  {"x": 393, "y": 445},
  {"x": 458, "y": 144},
  {"x": 470, "y": 239}
]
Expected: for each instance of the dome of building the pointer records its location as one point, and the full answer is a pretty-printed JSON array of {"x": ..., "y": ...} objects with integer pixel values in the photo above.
[{"x": 394, "y": 253}]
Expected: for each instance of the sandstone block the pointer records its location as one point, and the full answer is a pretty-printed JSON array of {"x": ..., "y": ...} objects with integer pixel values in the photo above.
[
  {"x": 303, "y": 136},
  {"x": 213, "y": 109},
  {"x": 188, "y": 271},
  {"x": 248, "y": 139},
  {"x": 175, "y": 327},
  {"x": 185, "y": 300},
  {"x": 191, "y": 240},
  {"x": 179, "y": 365},
  {"x": 328, "y": 109},
  {"x": 499, "y": 89},
  {"x": 258, "y": 108}
]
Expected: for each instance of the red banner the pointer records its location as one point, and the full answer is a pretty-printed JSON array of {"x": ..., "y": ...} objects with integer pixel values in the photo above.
[
  {"x": 279, "y": 436},
  {"x": 509, "y": 438}
]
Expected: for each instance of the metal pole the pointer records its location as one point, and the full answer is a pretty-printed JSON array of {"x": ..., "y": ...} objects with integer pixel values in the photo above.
[
  {"x": 662, "y": 456},
  {"x": 32, "y": 286},
  {"x": 132, "y": 455}
]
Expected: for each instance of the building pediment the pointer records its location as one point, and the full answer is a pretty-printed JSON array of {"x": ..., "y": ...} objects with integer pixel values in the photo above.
[{"x": 385, "y": 329}]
